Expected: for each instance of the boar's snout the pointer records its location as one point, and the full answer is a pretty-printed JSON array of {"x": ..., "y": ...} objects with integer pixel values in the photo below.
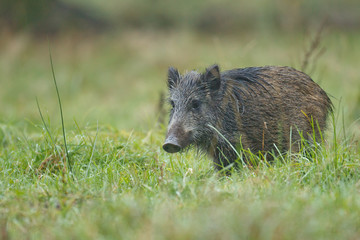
[
  {"x": 171, "y": 145},
  {"x": 176, "y": 139}
]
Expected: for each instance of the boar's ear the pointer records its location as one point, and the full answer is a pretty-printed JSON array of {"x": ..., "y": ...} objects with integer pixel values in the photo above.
[
  {"x": 212, "y": 76},
  {"x": 173, "y": 77}
]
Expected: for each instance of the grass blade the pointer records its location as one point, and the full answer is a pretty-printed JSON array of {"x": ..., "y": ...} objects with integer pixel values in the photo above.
[
  {"x": 61, "y": 112},
  {"x": 93, "y": 148},
  {"x": 42, "y": 119}
]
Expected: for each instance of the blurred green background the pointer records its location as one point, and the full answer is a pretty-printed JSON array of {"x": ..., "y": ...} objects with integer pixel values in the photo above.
[{"x": 111, "y": 57}]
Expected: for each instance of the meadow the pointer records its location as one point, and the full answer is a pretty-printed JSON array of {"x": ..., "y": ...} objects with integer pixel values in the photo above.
[{"x": 121, "y": 184}]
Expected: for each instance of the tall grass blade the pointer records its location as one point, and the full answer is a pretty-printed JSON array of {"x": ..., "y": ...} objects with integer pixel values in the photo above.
[
  {"x": 61, "y": 113},
  {"x": 227, "y": 141}
]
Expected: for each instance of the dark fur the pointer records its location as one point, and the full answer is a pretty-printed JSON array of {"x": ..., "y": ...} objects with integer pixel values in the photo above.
[{"x": 258, "y": 105}]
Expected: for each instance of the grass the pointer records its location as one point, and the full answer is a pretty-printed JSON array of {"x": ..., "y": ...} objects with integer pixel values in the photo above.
[{"x": 125, "y": 186}]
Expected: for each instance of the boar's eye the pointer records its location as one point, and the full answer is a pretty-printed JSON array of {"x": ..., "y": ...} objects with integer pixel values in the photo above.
[{"x": 195, "y": 104}]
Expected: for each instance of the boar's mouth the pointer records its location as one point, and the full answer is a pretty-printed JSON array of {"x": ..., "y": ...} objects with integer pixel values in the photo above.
[{"x": 174, "y": 144}]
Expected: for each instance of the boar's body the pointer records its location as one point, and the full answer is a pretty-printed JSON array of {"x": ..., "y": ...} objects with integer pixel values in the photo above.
[{"x": 257, "y": 107}]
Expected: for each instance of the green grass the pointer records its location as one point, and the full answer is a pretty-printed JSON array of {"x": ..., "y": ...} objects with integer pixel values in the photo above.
[{"x": 124, "y": 186}]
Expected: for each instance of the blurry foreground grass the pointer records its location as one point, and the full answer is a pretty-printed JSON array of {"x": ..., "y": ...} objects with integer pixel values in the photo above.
[{"x": 124, "y": 186}]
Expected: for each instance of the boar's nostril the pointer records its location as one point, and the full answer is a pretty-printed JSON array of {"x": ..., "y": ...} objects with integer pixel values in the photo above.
[{"x": 171, "y": 147}]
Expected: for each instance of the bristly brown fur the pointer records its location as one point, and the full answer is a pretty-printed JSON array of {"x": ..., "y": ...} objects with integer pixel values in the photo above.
[{"x": 259, "y": 105}]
